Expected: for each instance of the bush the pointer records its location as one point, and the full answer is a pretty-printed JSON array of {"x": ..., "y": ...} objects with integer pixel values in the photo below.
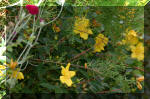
[{"x": 74, "y": 49}]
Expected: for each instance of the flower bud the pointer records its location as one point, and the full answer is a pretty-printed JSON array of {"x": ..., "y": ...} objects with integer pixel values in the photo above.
[{"x": 140, "y": 78}]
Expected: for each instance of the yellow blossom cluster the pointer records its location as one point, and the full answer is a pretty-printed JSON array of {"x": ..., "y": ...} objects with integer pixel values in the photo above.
[
  {"x": 67, "y": 75},
  {"x": 130, "y": 38},
  {"x": 101, "y": 41},
  {"x": 81, "y": 27},
  {"x": 138, "y": 51},
  {"x": 15, "y": 71},
  {"x": 129, "y": 14},
  {"x": 137, "y": 47}
]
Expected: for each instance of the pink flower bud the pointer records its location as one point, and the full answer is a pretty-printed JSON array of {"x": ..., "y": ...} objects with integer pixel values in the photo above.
[
  {"x": 32, "y": 9},
  {"x": 42, "y": 21}
]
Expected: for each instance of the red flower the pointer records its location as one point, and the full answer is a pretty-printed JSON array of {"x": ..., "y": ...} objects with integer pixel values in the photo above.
[{"x": 32, "y": 9}]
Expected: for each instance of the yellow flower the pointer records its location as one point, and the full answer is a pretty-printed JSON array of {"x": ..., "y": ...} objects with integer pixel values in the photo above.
[
  {"x": 140, "y": 78},
  {"x": 13, "y": 64},
  {"x": 55, "y": 28},
  {"x": 17, "y": 74},
  {"x": 81, "y": 27},
  {"x": 2, "y": 67},
  {"x": 138, "y": 51},
  {"x": 101, "y": 41},
  {"x": 130, "y": 38},
  {"x": 139, "y": 85},
  {"x": 66, "y": 75},
  {"x": 1, "y": 73}
]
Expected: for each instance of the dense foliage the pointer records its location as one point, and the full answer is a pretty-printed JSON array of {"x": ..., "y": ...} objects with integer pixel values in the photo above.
[{"x": 85, "y": 50}]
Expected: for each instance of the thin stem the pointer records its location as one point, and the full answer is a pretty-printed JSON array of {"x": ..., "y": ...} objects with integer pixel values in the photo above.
[
  {"x": 39, "y": 2},
  {"x": 28, "y": 41},
  {"x": 22, "y": 52},
  {"x": 24, "y": 67},
  {"x": 38, "y": 60},
  {"x": 86, "y": 81},
  {"x": 15, "y": 29},
  {"x": 31, "y": 45},
  {"x": 37, "y": 36},
  {"x": 41, "y": 11},
  {"x": 21, "y": 8},
  {"x": 56, "y": 17},
  {"x": 82, "y": 53},
  {"x": 24, "y": 57},
  {"x": 4, "y": 33},
  {"x": 20, "y": 29},
  {"x": 109, "y": 91}
]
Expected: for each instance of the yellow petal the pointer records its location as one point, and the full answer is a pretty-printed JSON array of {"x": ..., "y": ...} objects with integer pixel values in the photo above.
[
  {"x": 17, "y": 75},
  {"x": 84, "y": 35},
  {"x": 132, "y": 32},
  {"x": 20, "y": 76},
  {"x": 138, "y": 51},
  {"x": 139, "y": 85},
  {"x": 13, "y": 64},
  {"x": 63, "y": 70},
  {"x": 68, "y": 82},
  {"x": 68, "y": 66},
  {"x": 76, "y": 31},
  {"x": 140, "y": 57},
  {"x": 72, "y": 73},
  {"x": 90, "y": 31},
  {"x": 140, "y": 78},
  {"x": 62, "y": 79},
  {"x": 1, "y": 73},
  {"x": 2, "y": 67}
]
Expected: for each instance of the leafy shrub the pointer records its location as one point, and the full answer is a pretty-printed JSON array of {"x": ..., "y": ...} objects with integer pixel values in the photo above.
[{"x": 103, "y": 44}]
